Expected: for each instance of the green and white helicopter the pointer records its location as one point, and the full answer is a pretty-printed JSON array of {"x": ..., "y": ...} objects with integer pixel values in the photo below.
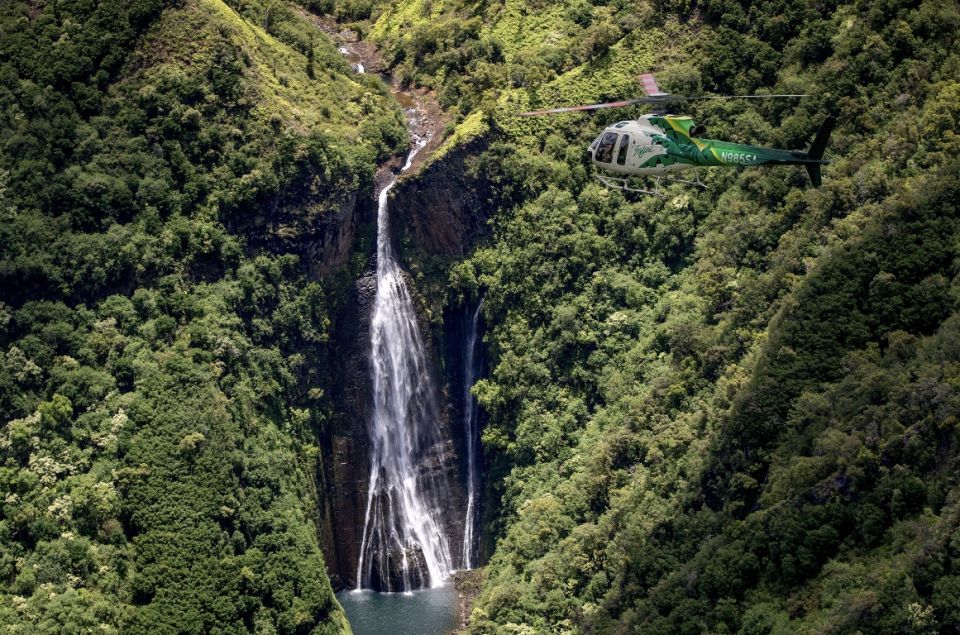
[{"x": 658, "y": 145}]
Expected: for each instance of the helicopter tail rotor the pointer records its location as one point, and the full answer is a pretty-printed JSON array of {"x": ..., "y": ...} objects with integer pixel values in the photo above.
[{"x": 650, "y": 87}]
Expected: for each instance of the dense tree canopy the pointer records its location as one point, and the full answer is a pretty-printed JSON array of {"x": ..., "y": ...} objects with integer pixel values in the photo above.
[
  {"x": 726, "y": 411},
  {"x": 729, "y": 411},
  {"x": 158, "y": 446}
]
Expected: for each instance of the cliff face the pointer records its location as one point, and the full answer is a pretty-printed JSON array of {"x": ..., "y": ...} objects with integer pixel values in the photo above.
[
  {"x": 442, "y": 210},
  {"x": 325, "y": 234},
  {"x": 322, "y": 232},
  {"x": 461, "y": 370},
  {"x": 345, "y": 441}
]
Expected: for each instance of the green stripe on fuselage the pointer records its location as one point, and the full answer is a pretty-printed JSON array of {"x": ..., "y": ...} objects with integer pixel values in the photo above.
[
  {"x": 727, "y": 153},
  {"x": 713, "y": 152},
  {"x": 682, "y": 148}
]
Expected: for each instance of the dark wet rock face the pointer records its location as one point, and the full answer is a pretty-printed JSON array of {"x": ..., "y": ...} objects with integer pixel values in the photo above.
[
  {"x": 411, "y": 496},
  {"x": 388, "y": 571},
  {"x": 322, "y": 230},
  {"x": 346, "y": 448},
  {"x": 440, "y": 210},
  {"x": 325, "y": 232},
  {"x": 443, "y": 209},
  {"x": 345, "y": 440}
]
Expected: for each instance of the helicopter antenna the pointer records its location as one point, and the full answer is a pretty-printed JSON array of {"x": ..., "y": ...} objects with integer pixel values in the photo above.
[{"x": 653, "y": 95}]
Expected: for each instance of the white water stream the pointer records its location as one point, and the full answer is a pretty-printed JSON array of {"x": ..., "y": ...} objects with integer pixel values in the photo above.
[
  {"x": 471, "y": 436},
  {"x": 404, "y": 546}
]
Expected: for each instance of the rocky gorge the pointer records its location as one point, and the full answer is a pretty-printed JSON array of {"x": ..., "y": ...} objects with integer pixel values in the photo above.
[{"x": 436, "y": 209}]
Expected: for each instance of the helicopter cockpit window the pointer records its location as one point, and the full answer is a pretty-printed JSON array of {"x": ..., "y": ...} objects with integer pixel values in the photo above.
[
  {"x": 622, "y": 154},
  {"x": 604, "y": 152}
]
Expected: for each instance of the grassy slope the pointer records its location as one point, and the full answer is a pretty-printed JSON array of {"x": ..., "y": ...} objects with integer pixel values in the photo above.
[
  {"x": 278, "y": 71},
  {"x": 160, "y": 388},
  {"x": 699, "y": 411}
]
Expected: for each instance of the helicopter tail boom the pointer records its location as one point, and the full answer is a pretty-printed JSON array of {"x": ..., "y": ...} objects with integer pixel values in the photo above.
[{"x": 812, "y": 159}]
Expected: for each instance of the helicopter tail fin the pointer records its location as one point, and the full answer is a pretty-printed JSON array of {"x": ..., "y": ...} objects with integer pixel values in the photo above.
[
  {"x": 815, "y": 154},
  {"x": 813, "y": 169}
]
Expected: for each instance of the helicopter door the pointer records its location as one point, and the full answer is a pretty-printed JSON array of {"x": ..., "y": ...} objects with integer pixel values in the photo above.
[
  {"x": 604, "y": 153},
  {"x": 622, "y": 154}
]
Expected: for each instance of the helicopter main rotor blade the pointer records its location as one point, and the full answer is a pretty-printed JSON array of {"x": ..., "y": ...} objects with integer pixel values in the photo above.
[
  {"x": 611, "y": 104},
  {"x": 740, "y": 97},
  {"x": 658, "y": 99}
]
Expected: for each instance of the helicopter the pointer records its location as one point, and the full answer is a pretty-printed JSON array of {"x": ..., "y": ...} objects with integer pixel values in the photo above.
[{"x": 657, "y": 145}]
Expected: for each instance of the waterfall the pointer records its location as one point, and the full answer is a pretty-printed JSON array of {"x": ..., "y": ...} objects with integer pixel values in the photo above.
[
  {"x": 403, "y": 546},
  {"x": 471, "y": 434}
]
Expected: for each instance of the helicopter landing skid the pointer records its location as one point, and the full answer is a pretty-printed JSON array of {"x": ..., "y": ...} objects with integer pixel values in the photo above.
[
  {"x": 696, "y": 183},
  {"x": 623, "y": 183}
]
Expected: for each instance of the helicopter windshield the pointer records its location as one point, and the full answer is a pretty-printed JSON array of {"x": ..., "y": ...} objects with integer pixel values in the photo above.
[{"x": 604, "y": 152}]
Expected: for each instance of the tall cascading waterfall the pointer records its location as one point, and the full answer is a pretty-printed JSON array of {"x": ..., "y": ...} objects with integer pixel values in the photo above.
[
  {"x": 472, "y": 437},
  {"x": 403, "y": 546}
]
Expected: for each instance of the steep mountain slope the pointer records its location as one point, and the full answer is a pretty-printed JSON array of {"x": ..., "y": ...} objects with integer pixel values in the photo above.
[
  {"x": 732, "y": 410},
  {"x": 161, "y": 378}
]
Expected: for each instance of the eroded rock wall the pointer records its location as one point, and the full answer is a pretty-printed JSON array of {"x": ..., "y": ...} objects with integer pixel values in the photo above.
[
  {"x": 345, "y": 440},
  {"x": 321, "y": 231},
  {"x": 440, "y": 211},
  {"x": 443, "y": 210}
]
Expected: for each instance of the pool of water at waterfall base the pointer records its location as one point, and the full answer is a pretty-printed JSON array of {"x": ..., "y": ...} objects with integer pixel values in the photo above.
[{"x": 424, "y": 612}]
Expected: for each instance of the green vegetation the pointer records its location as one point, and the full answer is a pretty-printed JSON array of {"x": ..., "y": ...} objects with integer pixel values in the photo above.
[
  {"x": 730, "y": 411},
  {"x": 160, "y": 384}
]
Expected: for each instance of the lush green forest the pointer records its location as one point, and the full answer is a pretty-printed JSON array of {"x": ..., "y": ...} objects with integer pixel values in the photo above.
[
  {"x": 734, "y": 410},
  {"x": 158, "y": 379}
]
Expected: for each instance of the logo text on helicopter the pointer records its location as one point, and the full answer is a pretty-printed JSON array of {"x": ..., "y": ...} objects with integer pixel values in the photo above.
[{"x": 640, "y": 151}]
